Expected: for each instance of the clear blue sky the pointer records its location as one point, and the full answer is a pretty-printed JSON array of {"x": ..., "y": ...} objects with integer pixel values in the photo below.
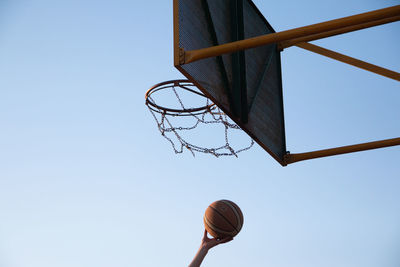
[{"x": 87, "y": 180}]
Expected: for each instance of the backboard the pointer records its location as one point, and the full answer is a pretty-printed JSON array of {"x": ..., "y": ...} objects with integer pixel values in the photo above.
[{"x": 246, "y": 85}]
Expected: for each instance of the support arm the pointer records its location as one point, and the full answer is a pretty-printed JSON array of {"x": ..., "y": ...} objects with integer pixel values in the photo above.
[
  {"x": 351, "y": 61},
  {"x": 292, "y": 158},
  {"x": 313, "y": 37},
  {"x": 194, "y": 55}
]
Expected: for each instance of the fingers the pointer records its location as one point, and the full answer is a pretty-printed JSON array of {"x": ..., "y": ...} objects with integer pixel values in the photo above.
[{"x": 205, "y": 234}]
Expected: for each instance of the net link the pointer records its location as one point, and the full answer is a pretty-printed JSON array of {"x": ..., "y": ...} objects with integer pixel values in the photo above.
[{"x": 209, "y": 115}]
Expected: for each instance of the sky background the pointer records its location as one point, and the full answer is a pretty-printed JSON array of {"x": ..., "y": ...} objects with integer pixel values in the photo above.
[{"x": 87, "y": 180}]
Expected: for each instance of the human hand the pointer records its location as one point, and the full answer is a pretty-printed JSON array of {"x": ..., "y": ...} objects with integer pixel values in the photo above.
[{"x": 208, "y": 243}]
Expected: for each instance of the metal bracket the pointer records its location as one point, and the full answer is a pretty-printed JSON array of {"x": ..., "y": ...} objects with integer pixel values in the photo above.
[
  {"x": 287, "y": 158},
  {"x": 239, "y": 83}
]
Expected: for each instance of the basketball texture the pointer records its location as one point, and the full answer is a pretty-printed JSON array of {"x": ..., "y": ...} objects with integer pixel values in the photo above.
[{"x": 223, "y": 218}]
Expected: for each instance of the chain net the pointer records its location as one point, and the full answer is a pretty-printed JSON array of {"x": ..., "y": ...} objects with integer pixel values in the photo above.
[{"x": 209, "y": 114}]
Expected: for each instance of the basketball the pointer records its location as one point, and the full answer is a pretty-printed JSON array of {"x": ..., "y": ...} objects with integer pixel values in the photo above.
[{"x": 223, "y": 218}]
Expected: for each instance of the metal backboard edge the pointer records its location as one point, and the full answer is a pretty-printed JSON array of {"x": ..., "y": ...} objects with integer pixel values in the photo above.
[{"x": 176, "y": 32}]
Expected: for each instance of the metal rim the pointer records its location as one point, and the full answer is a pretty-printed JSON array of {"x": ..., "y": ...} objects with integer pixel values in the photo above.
[{"x": 183, "y": 84}]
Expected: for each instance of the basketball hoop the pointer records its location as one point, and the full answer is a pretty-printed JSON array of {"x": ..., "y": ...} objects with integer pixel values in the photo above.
[{"x": 207, "y": 113}]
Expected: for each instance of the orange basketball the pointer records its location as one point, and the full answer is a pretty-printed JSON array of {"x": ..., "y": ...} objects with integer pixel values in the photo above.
[{"x": 223, "y": 218}]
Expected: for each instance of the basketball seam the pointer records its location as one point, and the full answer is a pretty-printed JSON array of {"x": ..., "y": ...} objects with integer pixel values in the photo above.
[
  {"x": 216, "y": 229},
  {"x": 225, "y": 219},
  {"x": 237, "y": 213}
]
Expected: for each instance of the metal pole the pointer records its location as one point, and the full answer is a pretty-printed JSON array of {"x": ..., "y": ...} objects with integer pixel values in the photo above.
[
  {"x": 350, "y": 60},
  {"x": 289, "y": 43},
  {"x": 291, "y": 158},
  {"x": 194, "y": 55}
]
